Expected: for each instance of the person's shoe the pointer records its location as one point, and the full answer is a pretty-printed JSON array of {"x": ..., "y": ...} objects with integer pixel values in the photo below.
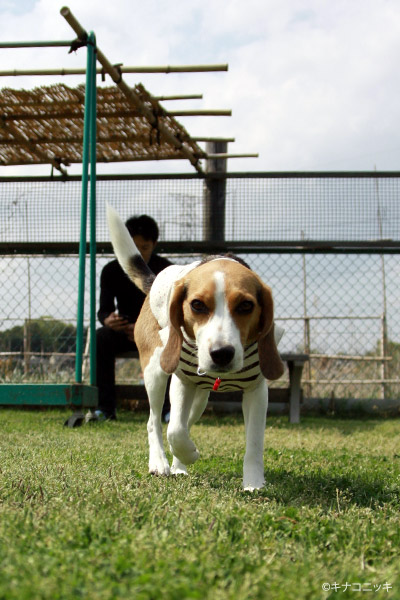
[{"x": 94, "y": 416}]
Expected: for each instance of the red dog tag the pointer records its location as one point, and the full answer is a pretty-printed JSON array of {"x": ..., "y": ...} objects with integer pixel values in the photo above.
[{"x": 216, "y": 384}]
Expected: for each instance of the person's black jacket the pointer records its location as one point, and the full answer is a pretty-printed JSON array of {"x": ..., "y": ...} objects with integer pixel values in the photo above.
[{"x": 118, "y": 291}]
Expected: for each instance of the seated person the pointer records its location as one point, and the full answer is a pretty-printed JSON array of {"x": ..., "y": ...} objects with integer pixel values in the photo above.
[{"x": 118, "y": 292}]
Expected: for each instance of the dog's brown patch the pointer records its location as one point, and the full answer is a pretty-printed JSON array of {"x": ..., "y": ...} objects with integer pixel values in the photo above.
[{"x": 146, "y": 334}]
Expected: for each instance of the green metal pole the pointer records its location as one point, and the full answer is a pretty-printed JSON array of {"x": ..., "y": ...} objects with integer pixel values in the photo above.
[
  {"x": 84, "y": 203},
  {"x": 93, "y": 220}
]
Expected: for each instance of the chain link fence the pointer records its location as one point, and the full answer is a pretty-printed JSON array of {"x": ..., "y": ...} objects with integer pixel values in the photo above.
[{"x": 327, "y": 244}]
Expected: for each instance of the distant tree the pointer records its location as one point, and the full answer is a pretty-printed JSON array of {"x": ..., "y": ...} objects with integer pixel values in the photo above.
[{"x": 46, "y": 335}]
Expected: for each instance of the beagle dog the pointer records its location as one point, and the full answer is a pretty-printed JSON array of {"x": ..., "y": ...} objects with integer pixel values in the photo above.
[{"x": 211, "y": 325}]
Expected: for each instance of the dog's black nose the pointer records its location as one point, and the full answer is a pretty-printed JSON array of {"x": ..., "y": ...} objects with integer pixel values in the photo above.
[{"x": 222, "y": 356}]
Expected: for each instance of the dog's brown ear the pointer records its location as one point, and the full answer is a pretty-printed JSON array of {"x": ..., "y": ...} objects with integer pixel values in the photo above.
[
  {"x": 271, "y": 364},
  {"x": 172, "y": 351}
]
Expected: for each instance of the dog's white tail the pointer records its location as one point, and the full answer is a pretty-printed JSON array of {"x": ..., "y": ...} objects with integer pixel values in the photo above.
[{"x": 127, "y": 253}]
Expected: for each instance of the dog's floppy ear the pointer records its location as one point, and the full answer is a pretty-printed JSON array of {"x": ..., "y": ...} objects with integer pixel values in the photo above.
[
  {"x": 172, "y": 351},
  {"x": 271, "y": 364}
]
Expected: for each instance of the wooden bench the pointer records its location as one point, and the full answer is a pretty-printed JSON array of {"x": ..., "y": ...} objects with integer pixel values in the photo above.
[
  {"x": 295, "y": 363},
  {"x": 218, "y": 401}
]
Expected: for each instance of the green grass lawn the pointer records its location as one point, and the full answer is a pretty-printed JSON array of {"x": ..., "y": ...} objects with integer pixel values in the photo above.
[{"x": 81, "y": 518}]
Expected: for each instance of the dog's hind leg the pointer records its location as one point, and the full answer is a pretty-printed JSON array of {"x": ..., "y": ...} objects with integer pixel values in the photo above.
[
  {"x": 196, "y": 410},
  {"x": 156, "y": 383},
  {"x": 182, "y": 447}
]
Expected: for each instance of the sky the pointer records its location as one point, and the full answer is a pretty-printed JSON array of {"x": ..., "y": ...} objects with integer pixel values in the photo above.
[{"x": 313, "y": 84}]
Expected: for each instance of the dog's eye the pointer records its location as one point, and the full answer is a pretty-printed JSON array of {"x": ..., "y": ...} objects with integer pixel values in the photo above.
[
  {"x": 198, "y": 306},
  {"x": 245, "y": 307}
]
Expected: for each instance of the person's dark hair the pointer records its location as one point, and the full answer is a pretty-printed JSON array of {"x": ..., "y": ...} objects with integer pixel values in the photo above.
[{"x": 144, "y": 226}]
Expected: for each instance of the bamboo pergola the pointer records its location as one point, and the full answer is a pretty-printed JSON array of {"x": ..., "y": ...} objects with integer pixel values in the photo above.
[{"x": 45, "y": 125}]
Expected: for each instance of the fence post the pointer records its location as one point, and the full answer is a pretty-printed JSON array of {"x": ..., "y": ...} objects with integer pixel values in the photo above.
[
  {"x": 214, "y": 192},
  {"x": 307, "y": 350},
  {"x": 27, "y": 346},
  {"x": 383, "y": 354},
  {"x": 307, "y": 340}
]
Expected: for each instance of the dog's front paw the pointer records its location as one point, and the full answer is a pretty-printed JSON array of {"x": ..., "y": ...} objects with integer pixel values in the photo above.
[
  {"x": 252, "y": 488},
  {"x": 158, "y": 464},
  {"x": 182, "y": 446},
  {"x": 159, "y": 469},
  {"x": 178, "y": 468},
  {"x": 253, "y": 477},
  {"x": 187, "y": 454},
  {"x": 190, "y": 456}
]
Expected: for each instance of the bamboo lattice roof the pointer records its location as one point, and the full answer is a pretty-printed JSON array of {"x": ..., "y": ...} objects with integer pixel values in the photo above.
[{"x": 45, "y": 126}]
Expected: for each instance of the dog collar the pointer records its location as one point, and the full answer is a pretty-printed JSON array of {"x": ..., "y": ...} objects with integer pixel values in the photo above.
[{"x": 217, "y": 382}]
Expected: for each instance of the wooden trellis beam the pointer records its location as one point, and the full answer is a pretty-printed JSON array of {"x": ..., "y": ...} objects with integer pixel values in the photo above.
[
  {"x": 69, "y": 114},
  {"x": 143, "y": 70}
]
